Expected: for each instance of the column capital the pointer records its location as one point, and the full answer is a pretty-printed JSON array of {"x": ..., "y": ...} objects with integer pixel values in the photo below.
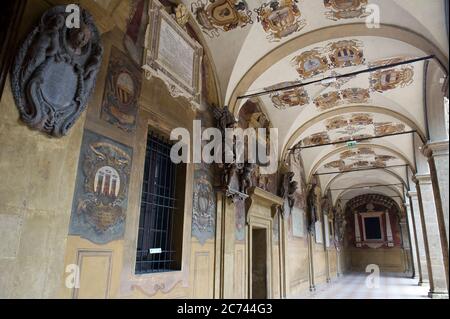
[
  {"x": 412, "y": 194},
  {"x": 422, "y": 179},
  {"x": 435, "y": 148},
  {"x": 407, "y": 204}
]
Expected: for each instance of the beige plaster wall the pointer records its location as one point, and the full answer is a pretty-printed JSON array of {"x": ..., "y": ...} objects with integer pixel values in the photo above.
[
  {"x": 297, "y": 266},
  {"x": 388, "y": 259},
  {"x": 37, "y": 174}
]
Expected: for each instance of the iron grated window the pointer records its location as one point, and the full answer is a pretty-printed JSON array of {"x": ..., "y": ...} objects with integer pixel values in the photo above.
[{"x": 156, "y": 250}]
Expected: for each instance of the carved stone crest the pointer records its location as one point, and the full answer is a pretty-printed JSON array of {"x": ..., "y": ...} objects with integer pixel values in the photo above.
[
  {"x": 55, "y": 71},
  {"x": 288, "y": 188}
]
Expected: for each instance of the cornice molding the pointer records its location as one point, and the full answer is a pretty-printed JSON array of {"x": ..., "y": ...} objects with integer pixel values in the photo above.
[
  {"x": 422, "y": 179},
  {"x": 436, "y": 148}
]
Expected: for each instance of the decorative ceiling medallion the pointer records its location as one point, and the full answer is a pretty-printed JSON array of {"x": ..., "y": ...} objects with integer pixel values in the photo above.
[
  {"x": 328, "y": 100},
  {"x": 361, "y": 119},
  {"x": 338, "y": 83},
  {"x": 385, "y": 80},
  {"x": 333, "y": 99},
  {"x": 316, "y": 139},
  {"x": 311, "y": 63},
  {"x": 357, "y": 126},
  {"x": 355, "y": 95},
  {"x": 388, "y": 128},
  {"x": 361, "y": 158},
  {"x": 280, "y": 18},
  {"x": 356, "y": 154},
  {"x": 55, "y": 70},
  {"x": 338, "y": 54},
  {"x": 346, "y": 9},
  {"x": 346, "y": 53},
  {"x": 225, "y": 15},
  {"x": 290, "y": 98}
]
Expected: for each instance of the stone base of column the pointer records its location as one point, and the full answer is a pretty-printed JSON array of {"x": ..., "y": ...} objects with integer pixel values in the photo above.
[
  {"x": 328, "y": 280},
  {"x": 424, "y": 283},
  {"x": 438, "y": 295},
  {"x": 312, "y": 288}
]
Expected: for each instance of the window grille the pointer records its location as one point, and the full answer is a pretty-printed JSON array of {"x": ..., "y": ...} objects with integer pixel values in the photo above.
[{"x": 156, "y": 251}]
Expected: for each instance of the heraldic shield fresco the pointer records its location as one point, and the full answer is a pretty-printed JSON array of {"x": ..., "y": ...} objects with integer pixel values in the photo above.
[
  {"x": 221, "y": 15},
  {"x": 101, "y": 191},
  {"x": 55, "y": 71},
  {"x": 338, "y": 54},
  {"x": 122, "y": 89},
  {"x": 353, "y": 126},
  {"x": 280, "y": 18},
  {"x": 346, "y": 9},
  {"x": 359, "y": 159},
  {"x": 204, "y": 204}
]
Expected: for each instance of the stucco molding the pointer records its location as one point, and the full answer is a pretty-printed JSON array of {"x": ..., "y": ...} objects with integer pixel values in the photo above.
[
  {"x": 437, "y": 148},
  {"x": 422, "y": 179}
]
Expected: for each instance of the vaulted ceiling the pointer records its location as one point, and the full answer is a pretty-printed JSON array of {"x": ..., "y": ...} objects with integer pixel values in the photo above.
[
  {"x": 259, "y": 48},
  {"x": 268, "y": 51}
]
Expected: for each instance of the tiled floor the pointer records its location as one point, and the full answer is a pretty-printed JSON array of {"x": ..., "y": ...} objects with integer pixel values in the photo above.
[{"x": 353, "y": 286}]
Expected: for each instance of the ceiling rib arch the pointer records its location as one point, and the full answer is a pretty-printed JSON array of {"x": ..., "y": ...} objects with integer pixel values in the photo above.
[
  {"x": 320, "y": 161},
  {"x": 378, "y": 190},
  {"x": 296, "y": 136}
]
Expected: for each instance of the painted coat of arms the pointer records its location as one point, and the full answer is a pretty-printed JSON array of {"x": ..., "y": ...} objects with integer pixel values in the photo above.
[
  {"x": 311, "y": 63},
  {"x": 334, "y": 55},
  {"x": 280, "y": 18},
  {"x": 346, "y": 9},
  {"x": 385, "y": 80},
  {"x": 225, "y": 15},
  {"x": 316, "y": 139},
  {"x": 346, "y": 53},
  {"x": 328, "y": 100},
  {"x": 204, "y": 206},
  {"x": 55, "y": 70},
  {"x": 101, "y": 193},
  {"x": 290, "y": 98},
  {"x": 122, "y": 89}
]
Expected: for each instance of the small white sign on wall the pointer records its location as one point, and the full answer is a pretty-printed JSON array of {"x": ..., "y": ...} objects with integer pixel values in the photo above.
[{"x": 155, "y": 250}]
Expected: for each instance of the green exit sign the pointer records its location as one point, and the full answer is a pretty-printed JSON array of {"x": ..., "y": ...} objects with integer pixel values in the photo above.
[{"x": 351, "y": 144}]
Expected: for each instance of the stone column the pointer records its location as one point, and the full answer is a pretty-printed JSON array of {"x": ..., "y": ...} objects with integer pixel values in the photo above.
[
  {"x": 432, "y": 238},
  {"x": 326, "y": 244},
  {"x": 437, "y": 155},
  {"x": 412, "y": 240},
  {"x": 421, "y": 254},
  {"x": 389, "y": 237},
  {"x": 357, "y": 231},
  {"x": 312, "y": 286},
  {"x": 406, "y": 245}
]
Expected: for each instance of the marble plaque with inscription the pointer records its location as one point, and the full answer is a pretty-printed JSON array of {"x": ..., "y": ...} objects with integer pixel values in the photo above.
[
  {"x": 172, "y": 55},
  {"x": 175, "y": 53}
]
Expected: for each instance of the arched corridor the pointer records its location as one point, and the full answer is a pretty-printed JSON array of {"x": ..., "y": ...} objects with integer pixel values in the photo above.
[{"x": 224, "y": 149}]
